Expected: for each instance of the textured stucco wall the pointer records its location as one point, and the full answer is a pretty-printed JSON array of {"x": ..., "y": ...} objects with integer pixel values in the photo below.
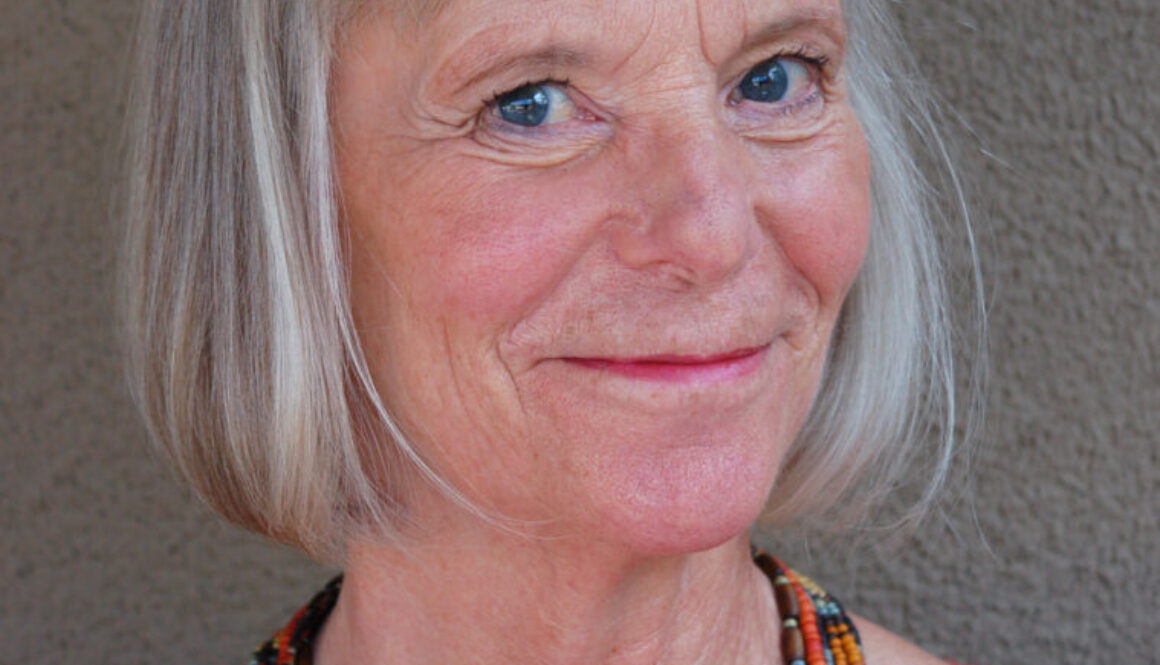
[{"x": 104, "y": 560}]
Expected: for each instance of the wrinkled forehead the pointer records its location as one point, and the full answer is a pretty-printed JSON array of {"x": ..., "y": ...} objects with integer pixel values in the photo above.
[
  {"x": 406, "y": 13},
  {"x": 716, "y": 27},
  {"x": 417, "y": 13}
]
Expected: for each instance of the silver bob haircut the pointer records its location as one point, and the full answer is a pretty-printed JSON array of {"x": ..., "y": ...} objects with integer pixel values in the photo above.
[{"x": 241, "y": 347}]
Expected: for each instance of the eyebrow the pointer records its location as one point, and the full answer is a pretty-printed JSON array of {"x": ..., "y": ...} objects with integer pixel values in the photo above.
[
  {"x": 480, "y": 63},
  {"x": 544, "y": 58},
  {"x": 828, "y": 21}
]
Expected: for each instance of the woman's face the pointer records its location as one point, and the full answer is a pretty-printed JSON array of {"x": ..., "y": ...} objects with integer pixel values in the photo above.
[{"x": 599, "y": 247}]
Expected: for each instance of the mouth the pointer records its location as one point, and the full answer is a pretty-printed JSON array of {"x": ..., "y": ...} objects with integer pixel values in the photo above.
[{"x": 675, "y": 368}]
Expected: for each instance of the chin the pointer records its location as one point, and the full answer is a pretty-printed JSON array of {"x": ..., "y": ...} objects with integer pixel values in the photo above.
[{"x": 686, "y": 500}]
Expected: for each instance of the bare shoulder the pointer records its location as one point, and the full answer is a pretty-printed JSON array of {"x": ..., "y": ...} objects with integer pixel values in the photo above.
[{"x": 883, "y": 647}]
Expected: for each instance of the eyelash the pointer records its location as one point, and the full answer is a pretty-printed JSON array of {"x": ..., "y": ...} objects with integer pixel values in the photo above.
[
  {"x": 819, "y": 61},
  {"x": 547, "y": 80}
]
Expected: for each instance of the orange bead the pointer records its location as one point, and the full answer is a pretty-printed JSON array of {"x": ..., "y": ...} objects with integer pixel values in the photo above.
[
  {"x": 808, "y": 614},
  {"x": 839, "y": 657},
  {"x": 850, "y": 646}
]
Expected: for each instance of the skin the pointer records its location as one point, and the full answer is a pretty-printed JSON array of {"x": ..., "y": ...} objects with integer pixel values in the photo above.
[{"x": 510, "y": 284}]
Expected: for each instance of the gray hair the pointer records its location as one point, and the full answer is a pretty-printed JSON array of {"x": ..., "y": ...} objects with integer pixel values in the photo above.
[
  {"x": 241, "y": 347},
  {"x": 889, "y": 391}
]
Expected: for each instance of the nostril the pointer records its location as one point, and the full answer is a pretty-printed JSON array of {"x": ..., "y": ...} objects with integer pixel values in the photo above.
[{"x": 677, "y": 277}]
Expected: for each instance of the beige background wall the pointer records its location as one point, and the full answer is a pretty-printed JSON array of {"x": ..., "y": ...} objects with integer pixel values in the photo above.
[{"x": 103, "y": 560}]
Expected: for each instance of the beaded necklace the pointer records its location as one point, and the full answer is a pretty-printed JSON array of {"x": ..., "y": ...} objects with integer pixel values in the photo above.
[{"x": 815, "y": 630}]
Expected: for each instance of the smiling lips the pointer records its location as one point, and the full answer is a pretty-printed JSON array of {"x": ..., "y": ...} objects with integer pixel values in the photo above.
[{"x": 680, "y": 368}]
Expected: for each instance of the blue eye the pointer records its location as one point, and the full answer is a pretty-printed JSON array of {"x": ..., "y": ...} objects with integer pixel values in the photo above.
[
  {"x": 534, "y": 105},
  {"x": 771, "y": 80},
  {"x": 526, "y": 106}
]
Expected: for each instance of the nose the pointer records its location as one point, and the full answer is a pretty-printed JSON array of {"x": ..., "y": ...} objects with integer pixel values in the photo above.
[{"x": 693, "y": 220}]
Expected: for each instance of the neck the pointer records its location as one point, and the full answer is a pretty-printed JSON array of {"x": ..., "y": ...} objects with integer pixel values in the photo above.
[{"x": 500, "y": 597}]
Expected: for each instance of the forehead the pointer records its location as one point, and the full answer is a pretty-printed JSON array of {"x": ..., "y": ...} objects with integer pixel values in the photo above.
[{"x": 715, "y": 26}]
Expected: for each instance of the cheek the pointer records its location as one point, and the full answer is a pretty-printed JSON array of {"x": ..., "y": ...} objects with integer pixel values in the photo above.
[
  {"x": 823, "y": 204},
  {"x": 490, "y": 249}
]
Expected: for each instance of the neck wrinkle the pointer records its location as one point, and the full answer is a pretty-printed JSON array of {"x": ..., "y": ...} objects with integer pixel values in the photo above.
[{"x": 543, "y": 603}]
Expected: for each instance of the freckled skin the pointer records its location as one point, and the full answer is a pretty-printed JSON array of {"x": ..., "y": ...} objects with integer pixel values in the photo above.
[
  {"x": 660, "y": 223},
  {"x": 498, "y": 274}
]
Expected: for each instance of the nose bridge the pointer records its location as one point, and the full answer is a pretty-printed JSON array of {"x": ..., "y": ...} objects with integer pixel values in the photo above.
[
  {"x": 695, "y": 213},
  {"x": 695, "y": 170}
]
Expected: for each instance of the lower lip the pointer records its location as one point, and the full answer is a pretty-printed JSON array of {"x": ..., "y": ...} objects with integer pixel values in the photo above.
[{"x": 681, "y": 370}]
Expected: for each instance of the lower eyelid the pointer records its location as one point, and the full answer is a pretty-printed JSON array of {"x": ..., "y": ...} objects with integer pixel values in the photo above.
[
  {"x": 535, "y": 149},
  {"x": 785, "y": 122}
]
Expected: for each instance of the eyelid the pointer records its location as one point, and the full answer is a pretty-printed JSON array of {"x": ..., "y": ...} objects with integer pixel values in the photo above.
[
  {"x": 817, "y": 59},
  {"x": 496, "y": 93}
]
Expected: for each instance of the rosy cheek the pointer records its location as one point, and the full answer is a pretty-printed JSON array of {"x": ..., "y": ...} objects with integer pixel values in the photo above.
[
  {"x": 495, "y": 247},
  {"x": 822, "y": 204}
]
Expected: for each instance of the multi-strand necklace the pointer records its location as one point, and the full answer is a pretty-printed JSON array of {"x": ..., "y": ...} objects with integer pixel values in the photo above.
[{"x": 814, "y": 628}]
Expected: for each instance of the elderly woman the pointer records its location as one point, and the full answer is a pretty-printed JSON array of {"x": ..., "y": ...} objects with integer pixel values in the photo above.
[{"x": 526, "y": 311}]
